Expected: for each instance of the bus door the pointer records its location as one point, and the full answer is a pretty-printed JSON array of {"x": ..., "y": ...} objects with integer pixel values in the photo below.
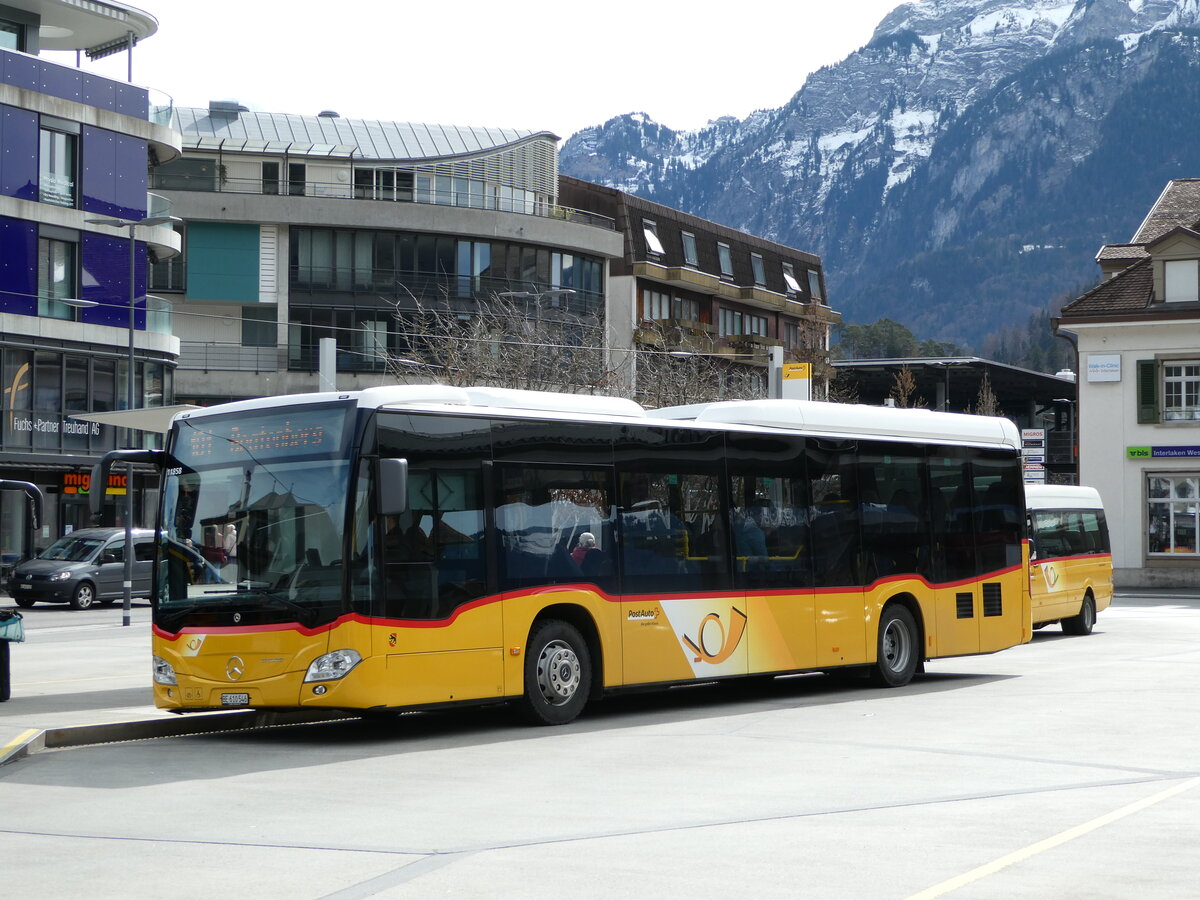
[
  {"x": 835, "y": 528},
  {"x": 680, "y": 619},
  {"x": 955, "y": 568},
  {"x": 437, "y": 622},
  {"x": 772, "y": 550}
]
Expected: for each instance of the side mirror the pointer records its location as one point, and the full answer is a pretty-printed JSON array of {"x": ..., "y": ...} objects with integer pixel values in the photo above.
[{"x": 393, "y": 486}]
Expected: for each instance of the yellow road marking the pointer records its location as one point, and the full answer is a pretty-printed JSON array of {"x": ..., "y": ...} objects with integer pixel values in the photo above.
[
  {"x": 1049, "y": 843},
  {"x": 17, "y": 742}
]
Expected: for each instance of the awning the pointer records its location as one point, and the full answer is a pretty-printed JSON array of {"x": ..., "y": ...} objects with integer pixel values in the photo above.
[{"x": 150, "y": 418}]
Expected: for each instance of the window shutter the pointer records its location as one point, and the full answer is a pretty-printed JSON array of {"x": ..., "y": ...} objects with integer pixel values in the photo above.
[{"x": 1147, "y": 391}]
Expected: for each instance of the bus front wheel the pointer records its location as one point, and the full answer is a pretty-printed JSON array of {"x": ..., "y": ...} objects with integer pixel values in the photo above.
[
  {"x": 899, "y": 648},
  {"x": 1082, "y": 623},
  {"x": 558, "y": 673}
]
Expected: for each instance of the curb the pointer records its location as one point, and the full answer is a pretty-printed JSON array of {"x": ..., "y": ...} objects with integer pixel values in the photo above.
[{"x": 36, "y": 740}]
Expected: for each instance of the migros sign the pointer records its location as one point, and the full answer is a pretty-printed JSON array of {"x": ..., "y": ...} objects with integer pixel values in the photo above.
[{"x": 81, "y": 483}]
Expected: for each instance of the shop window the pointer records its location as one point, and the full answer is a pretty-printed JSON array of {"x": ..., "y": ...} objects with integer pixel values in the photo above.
[{"x": 1173, "y": 503}]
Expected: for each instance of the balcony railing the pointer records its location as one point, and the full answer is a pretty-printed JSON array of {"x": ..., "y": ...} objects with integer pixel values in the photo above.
[
  {"x": 216, "y": 183},
  {"x": 218, "y": 356}
]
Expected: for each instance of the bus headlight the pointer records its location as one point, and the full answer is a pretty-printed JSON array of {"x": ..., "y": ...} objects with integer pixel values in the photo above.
[
  {"x": 332, "y": 666},
  {"x": 164, "y": 672}
]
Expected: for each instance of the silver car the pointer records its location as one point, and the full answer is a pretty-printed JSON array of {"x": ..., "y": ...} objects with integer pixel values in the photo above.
[{"x": 83, "y": 568}]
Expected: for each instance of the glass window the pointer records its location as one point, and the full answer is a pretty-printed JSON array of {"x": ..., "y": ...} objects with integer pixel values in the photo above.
[
  {"x": 656, "y": 305},
  {"x": 1173, "y": 514},
  {"x": 725, "y": 257},
  {"x": 769, "y": 519},
  {"x": 258, "y": 326},
  {"x": 297, "y": 174},
  {"x": 730, "y": 322},
  {"x": 1182, "y": 280},
  {"x": 1181, "y": 391},
  {"x": 814, "y": 285},
  {"x": 17, "y": 397},
  {"x": 56, "y": 277},
  {"x": 270, "y": 178},
  {"x": 789, "y": 279},
  {"x": 895, "y": 522},
  {"x": 56, "y": 168},
  {"x": 10, "y": 35},
  {"x": 653, "y": 244},
  {"x": 689, "y": 249},
  {"x": 760, "y": 272},
  {"x": 672, "y": 531},
  {"x": 541, "y": 517},
  {"x": 687, "y": 309}
]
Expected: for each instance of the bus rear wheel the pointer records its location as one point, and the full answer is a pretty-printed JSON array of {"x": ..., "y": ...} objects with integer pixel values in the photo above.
[
  {"x": 1082, "y": 623},
  {"x": 558, "y": 673},
  {"x": 898, "y": 650}
]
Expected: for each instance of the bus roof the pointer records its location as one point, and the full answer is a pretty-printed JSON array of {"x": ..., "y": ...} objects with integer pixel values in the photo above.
[
  {"x": 832, "y": 419},
  {"x": 1062, "y": 496}
]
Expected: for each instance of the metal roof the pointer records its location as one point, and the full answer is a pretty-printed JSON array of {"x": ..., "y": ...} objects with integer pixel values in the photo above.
[{"x": 237, "y": 129}]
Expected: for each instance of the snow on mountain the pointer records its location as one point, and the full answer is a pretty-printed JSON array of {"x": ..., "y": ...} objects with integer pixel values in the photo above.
[{"x": 825, "y": 171}]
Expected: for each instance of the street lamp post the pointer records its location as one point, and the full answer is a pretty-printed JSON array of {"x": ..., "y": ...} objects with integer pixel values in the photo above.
[{"x": 130, "y": 397}]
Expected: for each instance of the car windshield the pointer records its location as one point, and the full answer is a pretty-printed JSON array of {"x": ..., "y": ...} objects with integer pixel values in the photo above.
[
  {"x": 256, "y": 520},
  {"x": 72, "y": 548}
]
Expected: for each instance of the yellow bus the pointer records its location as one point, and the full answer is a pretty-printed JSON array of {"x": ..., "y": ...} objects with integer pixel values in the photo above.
[
  {"x": 412, "y": 546},
  {"x": 1070, "y": 570}
]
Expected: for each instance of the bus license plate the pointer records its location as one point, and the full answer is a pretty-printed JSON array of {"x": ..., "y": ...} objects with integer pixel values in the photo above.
[{"x": 235, "y": 699}]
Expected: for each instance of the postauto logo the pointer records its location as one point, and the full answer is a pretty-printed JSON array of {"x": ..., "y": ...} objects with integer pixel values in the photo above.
[{"x": 713, "y": 644}]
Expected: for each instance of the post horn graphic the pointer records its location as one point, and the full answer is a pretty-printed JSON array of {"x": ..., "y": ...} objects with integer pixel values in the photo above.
[{"x": 729, "y": 641}]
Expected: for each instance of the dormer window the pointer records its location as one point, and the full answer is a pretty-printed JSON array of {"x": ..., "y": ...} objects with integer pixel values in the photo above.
[
  {"x": 689, "y": 249},
  {"x": 653, "y": 244},
  {"x": 760, "y": 272},
  {"x": 814, "y": 285},
  {"x": 789, "y": 279},
  {"x": 725, "y": 257},
  {"x": 1181, "y": 280}
]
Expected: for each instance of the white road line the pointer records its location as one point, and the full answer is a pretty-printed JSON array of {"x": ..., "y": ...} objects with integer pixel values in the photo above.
[{"x": 1049, "y": 843}]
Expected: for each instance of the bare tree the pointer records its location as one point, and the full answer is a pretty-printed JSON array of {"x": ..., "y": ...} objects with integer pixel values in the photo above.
[
  {"x": 986, "y": 403},
  {"x": 506, "y": 341},
  {"x": 524, "y": 341},
  {"x": 904, "y": 385}
]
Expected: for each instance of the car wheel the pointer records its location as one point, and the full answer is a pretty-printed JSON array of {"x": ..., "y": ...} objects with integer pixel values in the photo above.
[
  {"x": 1082, "y": 624},
  {"x": 558, "y": 673},
  {"x": 24, "y": 602},
  {"x": 899, "y": 646},
  {"x": 84, "y": 596}
]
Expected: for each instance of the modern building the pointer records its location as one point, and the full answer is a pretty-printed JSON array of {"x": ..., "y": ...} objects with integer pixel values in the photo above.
[
  {"x": 686, "y": 285},
  {"x": 1138, "y": 338},
  {"x": 75, "y": 147},
  {"x": 1034, "y": 401},
  {"x": 303, "y": 227}
]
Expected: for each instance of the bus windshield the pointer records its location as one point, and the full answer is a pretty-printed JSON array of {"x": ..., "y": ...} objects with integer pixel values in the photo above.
[{"x": 253, "y": 516}]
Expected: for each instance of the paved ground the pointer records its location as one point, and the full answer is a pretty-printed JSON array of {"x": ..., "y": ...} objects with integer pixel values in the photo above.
[{"x": 1062, "y": 768}]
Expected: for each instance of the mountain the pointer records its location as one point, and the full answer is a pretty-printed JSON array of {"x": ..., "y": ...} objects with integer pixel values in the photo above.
[{"x": 956, "y": 174}]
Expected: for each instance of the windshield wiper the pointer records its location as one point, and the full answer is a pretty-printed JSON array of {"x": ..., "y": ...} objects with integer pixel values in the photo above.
[{"x": 305, "y": 615}]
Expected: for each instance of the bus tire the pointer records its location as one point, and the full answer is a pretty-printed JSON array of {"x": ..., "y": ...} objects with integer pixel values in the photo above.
[
  {"x": 558, "y": 673},
  {"x": 1082, "y": 624},
  {"x": 898, "y": 649}
]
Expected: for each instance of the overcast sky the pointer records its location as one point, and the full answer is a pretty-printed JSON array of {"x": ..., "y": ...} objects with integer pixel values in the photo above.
[{"x": 553, "y": 65}]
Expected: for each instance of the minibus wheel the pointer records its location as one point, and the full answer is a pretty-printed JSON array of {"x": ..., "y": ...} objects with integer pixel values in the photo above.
[
  {"x": 1082, "y": 623},
  {"x": 558, "y": 673}
]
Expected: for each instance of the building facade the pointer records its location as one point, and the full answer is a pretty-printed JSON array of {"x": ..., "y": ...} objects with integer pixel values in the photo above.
[
  {"x": 74, "y": 147},
  {"x": 1138, "y": 337},
  {"x": 298, "y": 228},
  {"x": 685, "y": 285}
]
